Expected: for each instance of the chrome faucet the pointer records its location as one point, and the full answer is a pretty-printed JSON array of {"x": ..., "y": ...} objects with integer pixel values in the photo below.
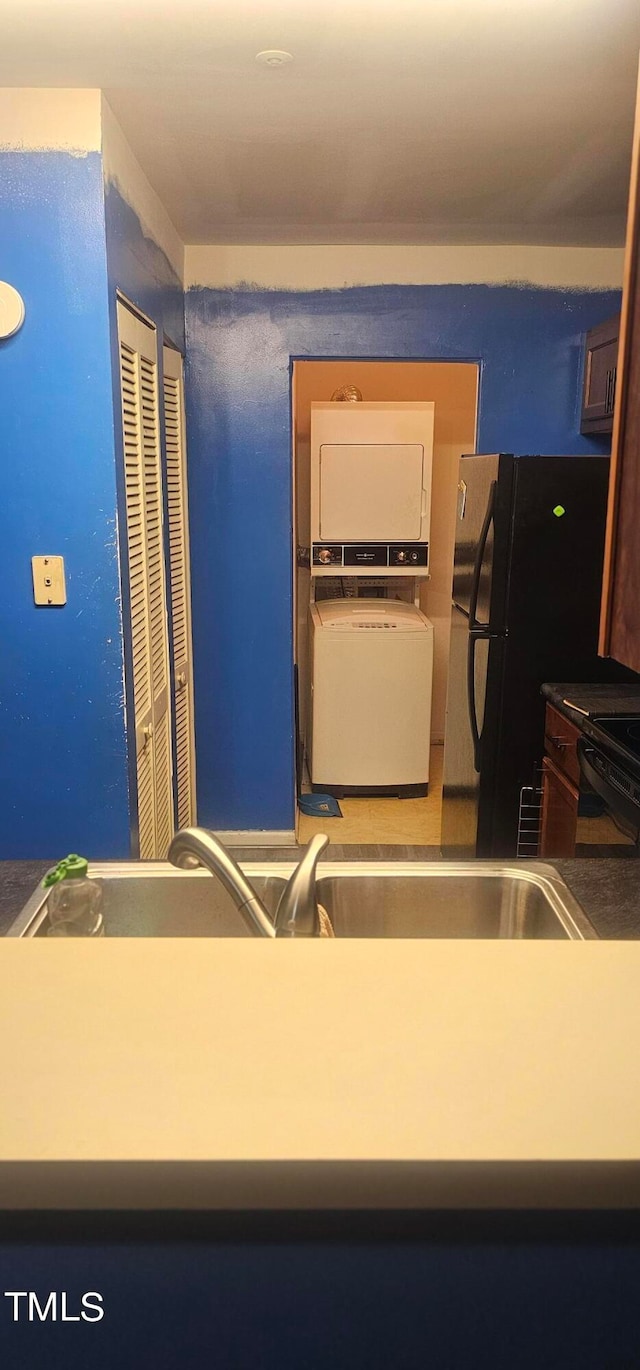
[{"x": 297, "y": 914}]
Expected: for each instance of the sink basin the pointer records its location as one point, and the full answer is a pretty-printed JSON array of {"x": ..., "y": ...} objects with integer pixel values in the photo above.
[
  {"x": 474, "y": 899},
  {"x": 154, "y": 899}
]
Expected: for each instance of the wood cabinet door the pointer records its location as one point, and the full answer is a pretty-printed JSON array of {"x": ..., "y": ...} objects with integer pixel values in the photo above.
[
  {"x": 620, "y": 622},
  {"x": 559, "y": 813},
  {"x": 601, "y": 356}
]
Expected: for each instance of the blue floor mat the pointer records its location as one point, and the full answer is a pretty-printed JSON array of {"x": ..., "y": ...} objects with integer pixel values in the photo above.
[{"x": 319, "y": 806}]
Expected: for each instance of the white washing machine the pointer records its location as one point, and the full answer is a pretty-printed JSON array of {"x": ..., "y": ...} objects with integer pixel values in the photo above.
[{"x": 370, "y": 708}]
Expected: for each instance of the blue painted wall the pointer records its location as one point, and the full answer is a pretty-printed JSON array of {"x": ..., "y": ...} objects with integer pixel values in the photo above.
[
  {"x": 239, "y": 346},
  {"x": 63, "y": 778},
  {"x": 67, "y": 243},
  {"x": 138, "y": 267}
]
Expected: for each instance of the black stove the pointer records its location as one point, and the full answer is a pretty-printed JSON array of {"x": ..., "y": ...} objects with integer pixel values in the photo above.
[
  {"x": 622, "y": 734},
  {"x": 609, "y": 757}
]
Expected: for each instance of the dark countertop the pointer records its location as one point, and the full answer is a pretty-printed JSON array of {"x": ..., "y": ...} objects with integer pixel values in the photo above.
[
  {"x": 592, "y": 699},
  {"x": 18, "y": 880},
  {"x": 608, "y": 890}
]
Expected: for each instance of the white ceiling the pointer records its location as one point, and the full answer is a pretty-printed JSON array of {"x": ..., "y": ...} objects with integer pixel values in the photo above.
[{"x": 399, "y": 121}]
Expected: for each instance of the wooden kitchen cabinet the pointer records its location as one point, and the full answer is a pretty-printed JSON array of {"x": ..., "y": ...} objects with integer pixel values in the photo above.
[
  {"x": 559, "y": 813},
  {"x": 620, "y": 621},
  {"x": 560, "y": 781},
  {"x": 600, "y": 366}
]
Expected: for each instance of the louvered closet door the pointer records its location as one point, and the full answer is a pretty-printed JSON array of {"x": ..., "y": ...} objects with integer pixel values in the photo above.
[
  {"x": 176, "y": 456},
  {"x": 149, "y": 640}
]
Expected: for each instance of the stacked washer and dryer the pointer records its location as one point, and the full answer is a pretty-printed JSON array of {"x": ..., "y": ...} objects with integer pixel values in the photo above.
[{"x": 371, "y": 650}]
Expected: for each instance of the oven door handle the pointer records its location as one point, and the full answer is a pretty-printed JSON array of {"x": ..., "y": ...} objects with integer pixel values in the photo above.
[
  {"x": 614, "y": 798},
  {"x": 597, "y": 781}
]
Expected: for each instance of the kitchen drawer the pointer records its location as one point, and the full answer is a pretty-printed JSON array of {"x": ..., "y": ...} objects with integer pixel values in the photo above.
[{"x": 561, "y": 743}]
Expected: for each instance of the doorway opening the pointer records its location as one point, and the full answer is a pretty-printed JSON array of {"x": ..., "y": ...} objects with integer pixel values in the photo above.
[{"x": 368, "y": 819}]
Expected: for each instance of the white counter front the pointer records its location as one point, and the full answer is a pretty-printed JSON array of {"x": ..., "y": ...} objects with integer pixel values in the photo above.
[{"x": 253, "y": 1074}]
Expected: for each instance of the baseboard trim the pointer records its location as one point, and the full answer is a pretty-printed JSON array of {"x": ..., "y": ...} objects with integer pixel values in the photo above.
[
  {"x": 365, "y": 791},
  {"x": 258, "y": 837}
]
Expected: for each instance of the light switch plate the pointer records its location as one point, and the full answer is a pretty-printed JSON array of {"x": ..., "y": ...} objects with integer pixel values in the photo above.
[{"x": 48, "y": 580}]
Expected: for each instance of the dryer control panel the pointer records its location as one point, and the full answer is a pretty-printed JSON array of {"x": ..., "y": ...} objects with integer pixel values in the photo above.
[{"x": 377, "y": 557}]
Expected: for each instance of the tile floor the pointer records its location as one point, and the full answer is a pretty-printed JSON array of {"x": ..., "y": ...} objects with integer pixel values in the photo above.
[{"x": 391, "y": 822}]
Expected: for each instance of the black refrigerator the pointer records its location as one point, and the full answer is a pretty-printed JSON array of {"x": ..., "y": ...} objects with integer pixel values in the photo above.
[{"x": 527, "y": 578}]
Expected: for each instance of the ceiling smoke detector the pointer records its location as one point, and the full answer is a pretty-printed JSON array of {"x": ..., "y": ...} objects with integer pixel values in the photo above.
[{"x": 274, "y": 57}]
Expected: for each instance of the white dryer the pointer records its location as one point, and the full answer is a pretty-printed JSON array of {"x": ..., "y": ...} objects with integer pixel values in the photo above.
[
  {"x": 370, "y": 487},
  {"x": 370, "y": 708}
]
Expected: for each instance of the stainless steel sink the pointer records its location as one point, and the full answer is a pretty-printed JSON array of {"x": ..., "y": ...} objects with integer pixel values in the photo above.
[
  {"x": 471, "y": 899},
  {"x": 474, "y": 899},
  {"x": 155, "y": 899}
]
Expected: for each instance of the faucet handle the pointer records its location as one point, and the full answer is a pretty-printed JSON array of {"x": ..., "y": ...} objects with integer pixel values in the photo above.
[{"x": 297, "y": 914}]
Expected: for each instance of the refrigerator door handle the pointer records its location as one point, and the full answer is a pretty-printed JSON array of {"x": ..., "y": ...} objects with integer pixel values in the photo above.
[
  {"x": 476, "y": 736},
  {"x": 477, "y": 569}
]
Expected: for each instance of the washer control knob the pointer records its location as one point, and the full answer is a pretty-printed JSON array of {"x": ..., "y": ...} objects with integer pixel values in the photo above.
[
  {"x": 414, "y": 556},
  {"x": 401, "y": 556},
  {"x": 324, "y": 556}
]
